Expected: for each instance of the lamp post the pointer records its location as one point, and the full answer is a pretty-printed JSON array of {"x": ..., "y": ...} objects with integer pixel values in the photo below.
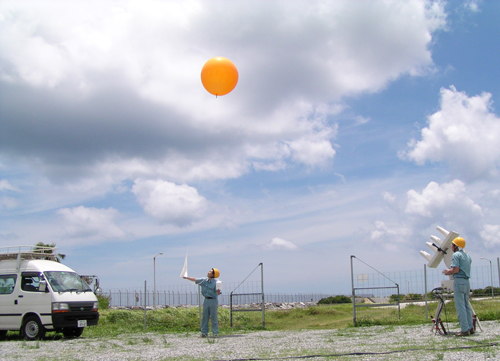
[
  {"x": 491, "y": 275},
  {"x": 154, "y": 278}
]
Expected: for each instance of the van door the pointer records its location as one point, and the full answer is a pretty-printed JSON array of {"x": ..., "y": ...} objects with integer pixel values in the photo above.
[
  {"x": 30, "y": 299},
  {"x": 10, "y": 316}
]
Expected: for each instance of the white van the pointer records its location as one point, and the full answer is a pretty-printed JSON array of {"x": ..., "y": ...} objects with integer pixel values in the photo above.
[{"x": 38, "y": 293}]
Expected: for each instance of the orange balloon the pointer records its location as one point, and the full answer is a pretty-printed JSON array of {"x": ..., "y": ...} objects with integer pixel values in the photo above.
[{"x": 219, "y": 76}]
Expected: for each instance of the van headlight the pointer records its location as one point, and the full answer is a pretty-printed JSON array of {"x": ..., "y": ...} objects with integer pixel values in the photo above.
[
  {"x": 59, "y": 307},
  {"x": 96, "y": 306}
]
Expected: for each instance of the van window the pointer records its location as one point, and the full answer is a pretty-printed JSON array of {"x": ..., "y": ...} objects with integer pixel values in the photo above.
[
  {"x": 7, "y": 283},
  {"x": 30, "y": 282},
  {"x": 61, "y": 281}
]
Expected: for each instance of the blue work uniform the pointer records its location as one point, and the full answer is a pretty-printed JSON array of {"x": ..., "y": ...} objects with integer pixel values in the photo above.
[
  {"x": 461, "y": 289},
  {"x": 210, "y": 304}
]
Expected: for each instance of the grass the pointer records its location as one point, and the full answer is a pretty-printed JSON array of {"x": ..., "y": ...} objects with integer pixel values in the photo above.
[
  {"x": 340, "y": 317},
  {"x": 185, "y": 320}
]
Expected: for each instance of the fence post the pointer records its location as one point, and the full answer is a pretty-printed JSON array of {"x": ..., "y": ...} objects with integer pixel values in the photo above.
[
  {"x": 262, "y": 291},
  {"x": 199, "y": 303},
  {"x": 498, "y": 267},
  {"x": 144, "y": 306},
  {"x": 425, "y": 292},
  {"x": 353, "y": 292}
]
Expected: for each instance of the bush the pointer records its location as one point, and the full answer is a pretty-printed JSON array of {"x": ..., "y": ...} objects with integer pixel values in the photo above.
[
  {"x": 103, "y": 301},
  {"x": 413, "y": 297},
  {"x": 334, "y": 299},
  {"x": 117, "y": 316},
  {"x": 485, "y": 291},
  {"x": 408, "y": 297},
  {"x": 394, "y": 298},
  {"x": 368, "y": 322}
]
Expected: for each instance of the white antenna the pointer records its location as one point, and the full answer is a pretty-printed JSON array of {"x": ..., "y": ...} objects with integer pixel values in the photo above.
[
  {"x": 441, "y": 249},
  {"x": 184, "y": 272}
]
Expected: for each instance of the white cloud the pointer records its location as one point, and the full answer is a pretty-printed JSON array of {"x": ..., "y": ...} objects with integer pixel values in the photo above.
[
  {"x": 361, "y": 120},
  {"x": 89, "y": 35},
  {"x": 471, "y": 211},
  {"x": 131, "y": 71},
  {"x": 8, "y": 203},
  {"x": 280, "y": 244},
  {"x": 494, "y": 194},
  {"x": 170, "y": 203},
  {"x": 389, "y": 197},
  {"x": 95, "y": 223},
  {"x": 472, "y": 5},
  {"x": 99, "y": 94},
  {"x": 464, "y": 133},
  {"x": 435, "y": 200},
  {"x": 5, "y": 201},
  {"x": 311, "y": 152},
  {"x": 491, "y": 235},
  {"x": 5, "y": 185},
  {"x": 391, "y": 237}
]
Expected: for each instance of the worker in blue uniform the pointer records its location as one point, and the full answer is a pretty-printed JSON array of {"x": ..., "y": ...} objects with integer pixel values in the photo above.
[
  {"x": 210, "y": 304},
  {"x": 460, "y": 270}
]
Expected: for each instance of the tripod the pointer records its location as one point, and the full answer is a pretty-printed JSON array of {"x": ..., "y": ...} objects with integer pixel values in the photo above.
[{"x": 437, "y": 324}]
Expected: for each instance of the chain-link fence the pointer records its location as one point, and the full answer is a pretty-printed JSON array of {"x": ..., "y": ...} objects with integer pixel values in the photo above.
[
  {"x": 413, "y": 282},
  {"x": 188, "y": 295},
  {"x": 410, "y": 282}
]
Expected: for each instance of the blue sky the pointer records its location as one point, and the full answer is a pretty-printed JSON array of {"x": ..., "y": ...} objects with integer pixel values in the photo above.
[{"x": 356, "y": 128}]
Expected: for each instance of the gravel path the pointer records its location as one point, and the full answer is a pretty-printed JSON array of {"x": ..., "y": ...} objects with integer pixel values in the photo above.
[{"x": 364, "y": 343}]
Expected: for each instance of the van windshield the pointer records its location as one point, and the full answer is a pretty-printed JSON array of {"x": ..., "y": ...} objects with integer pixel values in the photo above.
[{"x": 61, "y": 281}]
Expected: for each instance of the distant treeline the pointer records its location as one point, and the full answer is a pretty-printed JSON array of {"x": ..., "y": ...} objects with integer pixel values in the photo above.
[
  {"x": 410, "y": 296},
  {"x": 479, "y": 292},
  {"x": 334, "y": 299}
]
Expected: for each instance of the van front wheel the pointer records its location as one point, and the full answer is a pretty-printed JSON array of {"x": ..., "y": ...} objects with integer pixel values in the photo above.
[{"x": 32, "y": 328}]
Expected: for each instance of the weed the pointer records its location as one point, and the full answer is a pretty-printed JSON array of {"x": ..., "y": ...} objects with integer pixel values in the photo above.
[
  {"x": 35, "y": 345},
  {"x": 211, "y": 340},
  {"x": 147, "y": 340},
  {"x": 165, "y": 342}
]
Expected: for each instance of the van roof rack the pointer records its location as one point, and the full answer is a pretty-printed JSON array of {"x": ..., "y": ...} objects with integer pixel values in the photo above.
[{"x": 29, "y": 252}]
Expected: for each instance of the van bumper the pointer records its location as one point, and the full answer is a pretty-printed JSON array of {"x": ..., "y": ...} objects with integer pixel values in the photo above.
[{"x": 70, "y": 319}]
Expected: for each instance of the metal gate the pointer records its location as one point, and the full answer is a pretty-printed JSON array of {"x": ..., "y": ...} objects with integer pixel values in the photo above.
[
  {"x": 262, "y": 309},
  {"x": 354, "y": 305}
]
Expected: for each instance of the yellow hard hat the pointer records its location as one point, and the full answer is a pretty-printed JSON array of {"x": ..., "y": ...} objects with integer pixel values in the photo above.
[
  {"x": 459, "y": 242},
  {"x": 216, "y": 272}
]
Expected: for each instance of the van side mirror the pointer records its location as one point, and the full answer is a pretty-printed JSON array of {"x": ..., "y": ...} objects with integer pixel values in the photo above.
[{"x": 42, "y": 286}]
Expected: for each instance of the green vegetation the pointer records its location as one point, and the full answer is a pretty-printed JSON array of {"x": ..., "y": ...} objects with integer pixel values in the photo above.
[
  {"x": 44, "y": 248},
  {"x": 330, "y": 316},
  {"x": 335, "y": 316},
  {"x": 409, "y": 297},
  {"x": 485, "y": 291},
  {"x": 334, "y": 300},
  {"x": 103, "y": 302}
]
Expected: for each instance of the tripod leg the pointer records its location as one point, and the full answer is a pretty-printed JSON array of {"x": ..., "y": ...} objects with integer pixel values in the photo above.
[
  {"x": 475, "y": 319},
  {"x": 442, "y": 326},
  {"x": 434, "y": 326},
  {"x": 437, "y": 323}
]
